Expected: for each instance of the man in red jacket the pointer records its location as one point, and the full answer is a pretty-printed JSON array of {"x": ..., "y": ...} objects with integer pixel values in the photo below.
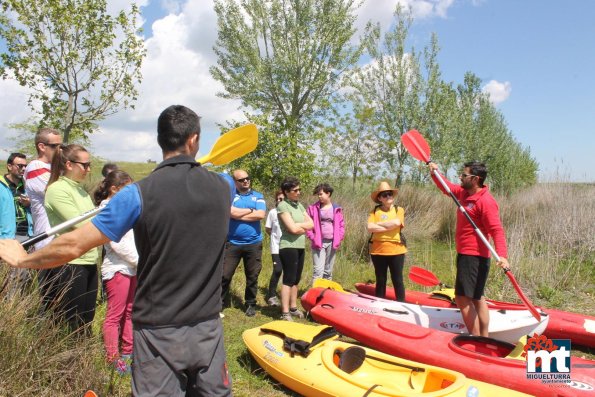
[{"x": 473, "y": 256}]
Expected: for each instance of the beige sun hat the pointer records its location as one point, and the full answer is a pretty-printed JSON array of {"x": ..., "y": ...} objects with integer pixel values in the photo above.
[{"x": 382, "y": 187}]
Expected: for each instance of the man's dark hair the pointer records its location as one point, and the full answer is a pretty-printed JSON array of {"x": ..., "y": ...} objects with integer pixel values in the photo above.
[
  {"x": 14, "y": 156},
  {"x": 325, "y": 187},
  {"x": 107, "y": 168},
  {"x": 175, "y": 125},
  {"x": 289, "y": 183},
  {"x": 479, "y": 169}
]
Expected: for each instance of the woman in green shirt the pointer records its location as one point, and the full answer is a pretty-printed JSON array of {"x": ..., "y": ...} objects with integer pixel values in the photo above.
[
  {"x": 294, "y": 222},
  {"x": 74, "y": 288}
]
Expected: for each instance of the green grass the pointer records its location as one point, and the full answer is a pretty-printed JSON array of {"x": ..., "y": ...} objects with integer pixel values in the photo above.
[{"x": 550, "y": 230}]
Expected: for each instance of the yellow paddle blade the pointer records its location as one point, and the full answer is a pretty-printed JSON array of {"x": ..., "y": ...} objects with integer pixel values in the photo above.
[
  {"x": 232, "y": 145},
  {"x": 324, "y": 283}
]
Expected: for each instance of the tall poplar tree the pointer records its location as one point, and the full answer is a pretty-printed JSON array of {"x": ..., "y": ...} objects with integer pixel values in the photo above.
[{"x": 283, "y": 59}]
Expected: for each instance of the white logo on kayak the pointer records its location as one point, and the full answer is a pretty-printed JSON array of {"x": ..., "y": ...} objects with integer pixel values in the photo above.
[
  {"x": 580, "y": 385},
  {"x": 362, "y": 310},
  {"x": 452, "y": 326},
  {"x": 271, "y": 348}
]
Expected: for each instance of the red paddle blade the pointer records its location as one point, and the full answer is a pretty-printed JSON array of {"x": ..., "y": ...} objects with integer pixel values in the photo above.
[
  {"x": 519, "y": 291},
  {"x": 423, "y": 277},
  {"x": 416, "y": 145}
]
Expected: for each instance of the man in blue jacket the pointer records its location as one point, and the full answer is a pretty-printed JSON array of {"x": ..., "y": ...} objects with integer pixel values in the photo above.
[{"x": 244, "y": 239}]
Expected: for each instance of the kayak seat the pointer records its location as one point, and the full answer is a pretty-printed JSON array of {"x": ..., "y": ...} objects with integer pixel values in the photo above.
[
  {"x": 519, "y": 349},
  {"x": 447, "y": 294},
  {"x": 351, "y": 358},
  {"x": 299, "y": 338}
]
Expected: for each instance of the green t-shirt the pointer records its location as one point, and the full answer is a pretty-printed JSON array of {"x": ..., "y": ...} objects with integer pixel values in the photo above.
[
  {"x": 66, "y": 199},
  {"x": 296, "y": 210}
]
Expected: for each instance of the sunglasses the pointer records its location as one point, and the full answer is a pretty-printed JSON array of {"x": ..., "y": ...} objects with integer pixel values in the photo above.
[
  {"x": 52, "y": 145},
  {"x": 21, "y": 166},
  {"x": 385, "y": 194},
  {"x": 86, "y": 165},
  {"x": 242, "y": 180},
  {"x": 464, "y": 175}
]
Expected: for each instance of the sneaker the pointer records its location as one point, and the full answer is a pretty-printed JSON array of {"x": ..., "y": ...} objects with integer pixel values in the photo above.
[
  {"x": 251, "y": 311},
  {"x": 286, "y": 317},
  {"x": 273, "y": 301},
  {"x": 121, "y": 367},
  {"x": 295, "y": 312}
]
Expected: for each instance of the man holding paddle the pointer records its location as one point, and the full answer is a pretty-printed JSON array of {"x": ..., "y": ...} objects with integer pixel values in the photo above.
[
  {"x": 179, "y": 216},
  {"x": 473, "y": 256}
]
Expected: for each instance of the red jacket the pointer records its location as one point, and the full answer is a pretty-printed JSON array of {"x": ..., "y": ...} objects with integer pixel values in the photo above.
[{"x": 483, "y": 209}]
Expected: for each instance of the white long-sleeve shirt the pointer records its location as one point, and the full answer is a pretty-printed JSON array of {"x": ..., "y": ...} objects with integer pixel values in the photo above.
[{"x": 119, "y": 257}]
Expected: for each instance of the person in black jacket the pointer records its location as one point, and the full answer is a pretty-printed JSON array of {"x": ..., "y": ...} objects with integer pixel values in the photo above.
[{"x": 179, "y": 215}]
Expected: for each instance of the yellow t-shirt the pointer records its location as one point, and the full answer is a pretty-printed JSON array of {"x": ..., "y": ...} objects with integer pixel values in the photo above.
[{"x": 389, "y": 242}]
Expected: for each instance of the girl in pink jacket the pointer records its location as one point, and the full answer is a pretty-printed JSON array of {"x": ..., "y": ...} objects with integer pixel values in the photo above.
[{"x": 328, "y": 232}]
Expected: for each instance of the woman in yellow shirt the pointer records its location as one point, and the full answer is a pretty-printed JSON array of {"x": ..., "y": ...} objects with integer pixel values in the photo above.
[{"x": 387, "y": 246}]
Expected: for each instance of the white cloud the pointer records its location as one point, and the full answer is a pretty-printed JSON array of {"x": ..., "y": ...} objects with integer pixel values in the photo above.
[
  {"x": 176, "y": 71},
  {"x": 498, "y": 92},
  {"x": 382, "y": 10}
]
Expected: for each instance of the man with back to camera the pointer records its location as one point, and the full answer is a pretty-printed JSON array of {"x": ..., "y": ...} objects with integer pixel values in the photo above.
[
  {"x": 244, "y": 239},
  {"x": 473, "y": 257},
  {"x": 179, "y": 214}
]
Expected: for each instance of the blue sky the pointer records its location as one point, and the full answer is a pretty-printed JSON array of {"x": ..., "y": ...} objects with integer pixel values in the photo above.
[
  {"x": 535, "y": 57},
  {"x": 545, "y": 50}
]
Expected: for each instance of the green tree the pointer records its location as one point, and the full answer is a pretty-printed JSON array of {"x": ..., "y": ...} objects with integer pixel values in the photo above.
[
  {"x": 405, "y": 92},
  {"x": 270, "y": 163},
  {"x": 80, "y": 62},
  {"x": 484, "y": 136},
  {"x": 283, "y": 60},
  {"x": 349, "y": 145}
]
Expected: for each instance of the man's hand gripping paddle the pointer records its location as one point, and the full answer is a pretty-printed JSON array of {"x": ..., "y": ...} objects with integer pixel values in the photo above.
[{"x": 417, "y": 147}]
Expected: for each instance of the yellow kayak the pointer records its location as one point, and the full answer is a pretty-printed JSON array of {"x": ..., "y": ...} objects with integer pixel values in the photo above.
[{"x": 309, "y": 360}]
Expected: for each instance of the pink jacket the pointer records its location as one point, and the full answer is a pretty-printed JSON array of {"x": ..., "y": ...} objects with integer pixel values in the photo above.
[{"x": 315, "y": 235}]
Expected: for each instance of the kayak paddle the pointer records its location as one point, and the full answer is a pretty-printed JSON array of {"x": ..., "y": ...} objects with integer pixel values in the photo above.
[
  {"x": 232, "y": 145},
  {"x": 58, "y": 228},
  {"x": 417, "y": 147},
  {"x": 424, "y": 277},
  {"x": 228, "y": 147}
]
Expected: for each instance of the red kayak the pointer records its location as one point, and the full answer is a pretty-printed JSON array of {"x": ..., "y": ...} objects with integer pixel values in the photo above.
[
  {"x": 580, "y": 328},
  {"x": 479, "y": 358}
]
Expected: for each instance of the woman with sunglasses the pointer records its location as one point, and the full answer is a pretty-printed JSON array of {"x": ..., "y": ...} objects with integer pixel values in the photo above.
[
  {"x": 387, "y": 246},
  {"x": 294, "y": 222},
  {"x": 75, "y": 283}
]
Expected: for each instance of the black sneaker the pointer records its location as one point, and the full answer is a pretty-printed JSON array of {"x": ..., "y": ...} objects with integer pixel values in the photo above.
[{"x": 251, "y": 311}]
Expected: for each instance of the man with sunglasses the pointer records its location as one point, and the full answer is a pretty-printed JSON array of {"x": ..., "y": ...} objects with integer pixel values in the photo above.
[
  {"x": 37, "y": 175},
  {"x": 16, "y": 164},
  {"x": 473, "y": 257},
  {"x": 244, "y": 239}
]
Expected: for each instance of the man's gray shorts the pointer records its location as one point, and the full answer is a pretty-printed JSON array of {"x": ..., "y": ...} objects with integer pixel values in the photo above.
[{"x": 180, "y": 361}]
